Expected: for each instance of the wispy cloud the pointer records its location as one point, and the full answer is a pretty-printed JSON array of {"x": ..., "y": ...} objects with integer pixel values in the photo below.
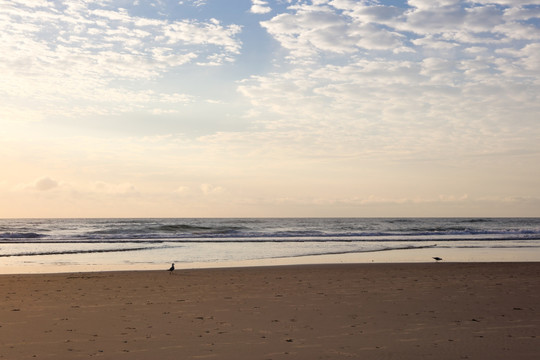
[
  {"x": 64, "y": 54},
  {"x": 407, "y": 92}
]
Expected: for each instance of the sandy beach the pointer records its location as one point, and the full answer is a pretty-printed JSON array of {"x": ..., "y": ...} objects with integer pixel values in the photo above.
[{"x": 349, "y": 311}]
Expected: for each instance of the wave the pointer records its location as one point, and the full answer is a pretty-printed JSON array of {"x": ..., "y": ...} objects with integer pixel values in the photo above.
[
  {"x": 180, "y": 228},
  {"x": 476, "y": 220},
  {"x": 253, "y": 253},
  {"x": 357, "y": 251},
  {"x": 15, "y": 235},
  {"x": 74, "y": 252},
  {"x": 307, "y": 253},
  {"x": 150, "y": 230},
  {"x": 128, "y": 249},
  {"x": 280, "y": 238},
  {"x": 194, "y": 228},
  {"x": 161, "y": 231}
]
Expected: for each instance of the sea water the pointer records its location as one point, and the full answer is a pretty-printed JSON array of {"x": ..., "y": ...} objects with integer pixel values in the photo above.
[{"x": 34, "y": 244}]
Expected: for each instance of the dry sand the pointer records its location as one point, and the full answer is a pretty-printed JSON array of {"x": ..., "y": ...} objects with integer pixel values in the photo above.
[{"x": 366, "y": 311}]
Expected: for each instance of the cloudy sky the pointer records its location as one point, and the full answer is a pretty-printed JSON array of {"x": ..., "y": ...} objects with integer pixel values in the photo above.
[{"x": 204, "y": 108}]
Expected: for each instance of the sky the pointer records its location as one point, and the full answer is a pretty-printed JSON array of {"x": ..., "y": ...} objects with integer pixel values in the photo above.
[{"x": 269, "y": 108}]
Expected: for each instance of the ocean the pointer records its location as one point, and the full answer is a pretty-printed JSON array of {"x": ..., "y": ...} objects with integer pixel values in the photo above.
[{"x": 33, "y": 244}]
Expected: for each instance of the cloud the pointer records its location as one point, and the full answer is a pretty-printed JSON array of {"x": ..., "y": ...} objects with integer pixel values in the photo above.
[
  {"x": 110, "y": 43},
  {"x": 518, "y": 13},
  {"x": 72, "y": 59},
  {"x": 196, "y": 3},
  {"x": 391, "y": 108},
  {"x": 350, "y": 27},
  {"x": 509, "y": 2},
  {"x": 208, "y": 189},
  {"x": 438, "y": 70},
  {"x": 432, "y": 4},
  {"x": 444, "y": 49},
  {"x": 45, "y": 183},
  {"x": 530, "y": 58},
  {"x": 366, "y": 13},
  {"x": 309, "y": 30},
  {"x": 260, "y": 7}
]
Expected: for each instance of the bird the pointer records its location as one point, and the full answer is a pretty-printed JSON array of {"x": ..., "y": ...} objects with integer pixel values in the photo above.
[
  {"x": 171, "y": 269},
  {"x": 437, "y": 258}
]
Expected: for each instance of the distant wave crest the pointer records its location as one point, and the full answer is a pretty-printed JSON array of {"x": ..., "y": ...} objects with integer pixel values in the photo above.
[{"x": 16, "y": 235}]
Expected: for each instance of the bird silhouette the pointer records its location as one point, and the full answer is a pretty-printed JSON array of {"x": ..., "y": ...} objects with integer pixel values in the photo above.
[
  {"x": 437, "y": 258},
  {"x": 171, "y": 269}
]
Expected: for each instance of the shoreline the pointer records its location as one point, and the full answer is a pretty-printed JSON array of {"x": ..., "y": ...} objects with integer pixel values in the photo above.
[
  {"x": 425, "y": 255},
  {"x": 325, "y": 311}
]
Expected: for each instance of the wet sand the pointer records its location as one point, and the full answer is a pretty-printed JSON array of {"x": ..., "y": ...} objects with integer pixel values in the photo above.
[{"x": 362, "y": 311}]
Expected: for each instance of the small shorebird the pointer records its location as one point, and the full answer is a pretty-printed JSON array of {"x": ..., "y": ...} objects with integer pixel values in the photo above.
[
  {"x": 437, "y": 258},
  {"x": 171, "y": 269}
]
